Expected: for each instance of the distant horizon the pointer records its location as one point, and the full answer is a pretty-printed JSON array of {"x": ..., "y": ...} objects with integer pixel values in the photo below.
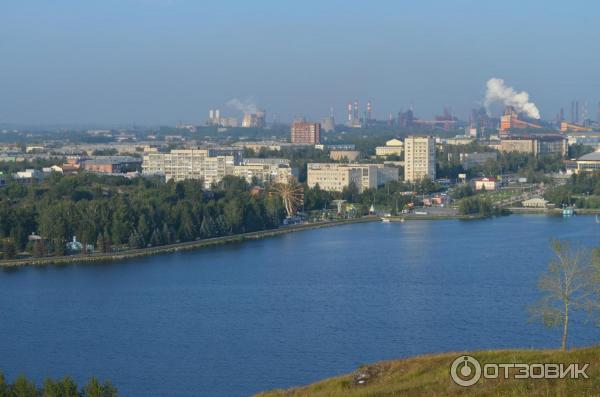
[{"x": 160, "y": 62}]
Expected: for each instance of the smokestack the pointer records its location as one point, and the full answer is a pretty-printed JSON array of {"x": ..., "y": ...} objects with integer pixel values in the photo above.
[
  {"x": 217, "y": 114},
  {"x": 369, "y": 109},
  {"x": 349, "y": 112},
  {"x": 355, "y": 110},
  {"x": 210, "y": 115}
]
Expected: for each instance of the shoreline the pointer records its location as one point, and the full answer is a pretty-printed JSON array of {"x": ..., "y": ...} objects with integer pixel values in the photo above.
[
  {"x": 236, "y": 238},
  {"x": 177, "y": 247}
]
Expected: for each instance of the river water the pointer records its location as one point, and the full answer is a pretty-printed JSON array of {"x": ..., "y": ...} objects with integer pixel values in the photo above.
[{"x": 237, "y": 319}]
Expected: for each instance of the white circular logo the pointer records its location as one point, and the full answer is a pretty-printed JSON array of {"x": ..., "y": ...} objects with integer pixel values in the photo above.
[{"x": 465, "y": 371}]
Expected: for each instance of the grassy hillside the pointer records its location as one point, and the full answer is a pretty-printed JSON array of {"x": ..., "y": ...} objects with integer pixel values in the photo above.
[{"x": 430, "y": 376}]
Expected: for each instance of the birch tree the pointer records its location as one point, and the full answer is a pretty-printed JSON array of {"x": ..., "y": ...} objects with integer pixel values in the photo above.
[{"x": 566, "y": 287}]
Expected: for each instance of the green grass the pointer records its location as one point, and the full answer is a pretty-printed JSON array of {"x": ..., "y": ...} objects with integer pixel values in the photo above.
[{"x": 430, "y": 376}]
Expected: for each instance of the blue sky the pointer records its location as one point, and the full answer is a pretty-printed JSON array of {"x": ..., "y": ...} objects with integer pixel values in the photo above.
[{"x": 163, "y": 61}]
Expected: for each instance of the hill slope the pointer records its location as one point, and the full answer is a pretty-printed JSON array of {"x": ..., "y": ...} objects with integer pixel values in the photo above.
[{"x": 430, "y": 376}]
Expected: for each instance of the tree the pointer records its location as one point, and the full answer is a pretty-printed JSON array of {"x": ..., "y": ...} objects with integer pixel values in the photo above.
[
  {"x": 4, "y": 387},
  {"x": 166, "y": 234},
  {"x": 39, "y": 248},
  {"x": 155, "y": 240},
  {"x": 566, "y": 287},
  {"x": 100, "y": 243},
  {"x": 107, "y": 241},
  {"x": 95, "y": 389},
  {"x": 136, "y": 240},
  {"x": 142, "y": 228},
  {"x": 23, "y": 388},
  {"x": 207, "y": 228},
  {"x": 9, "y": 249},
  {"x": 61, "y": 388}
]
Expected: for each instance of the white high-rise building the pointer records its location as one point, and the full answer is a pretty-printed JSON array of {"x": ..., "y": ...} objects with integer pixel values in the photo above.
[
  {"x": 419, "y": 158},
  {"x": 213, "y": 164},
  {"x": 337, "y": 176}
]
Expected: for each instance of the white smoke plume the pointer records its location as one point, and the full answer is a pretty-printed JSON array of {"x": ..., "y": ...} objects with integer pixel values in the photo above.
[
  {"x": 246, "y": 106},
  {"x": 497, "y": 91}
]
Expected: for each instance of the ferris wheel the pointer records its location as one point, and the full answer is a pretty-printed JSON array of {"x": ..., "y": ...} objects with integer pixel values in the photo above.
[{"x": 292, "y": 194}]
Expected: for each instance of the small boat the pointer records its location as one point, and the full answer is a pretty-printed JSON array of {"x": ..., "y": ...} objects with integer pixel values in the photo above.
[
  {"x": 568, "y": 211},
  {"x": 386, "y": 220},
  {"x": 597, "y": 220}
]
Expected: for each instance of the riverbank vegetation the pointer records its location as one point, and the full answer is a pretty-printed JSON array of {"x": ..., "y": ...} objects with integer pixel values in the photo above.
[
  {"x": 430, "y": 376},
  {"x": 581, "y": 190},
  {"x": 66, "y": 387},
  {"x": 109, "y": 213},
  {"x": 477, "y": 205}
]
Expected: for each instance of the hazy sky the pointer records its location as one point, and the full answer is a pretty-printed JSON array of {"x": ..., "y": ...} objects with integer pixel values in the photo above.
[{"x": 161, "y": 61}]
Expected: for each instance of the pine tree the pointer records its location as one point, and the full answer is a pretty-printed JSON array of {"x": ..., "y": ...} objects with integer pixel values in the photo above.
[
  {"x": 155, "y": 239},
  {"x": 133, "y": 241},
  {"x": 9, "y": 249},
  {"x": 39, "y": 248},
  {"x": 100, "y": 243},
  {"x": 207, "y": 227},
  {"x": 107, "y": 241},
  {"x": 142, "y": 228},
  {"x": 166, "y": 234}
]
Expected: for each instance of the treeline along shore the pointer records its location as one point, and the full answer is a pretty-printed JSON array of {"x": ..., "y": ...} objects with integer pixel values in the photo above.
[{"x": 177, "y": 247}]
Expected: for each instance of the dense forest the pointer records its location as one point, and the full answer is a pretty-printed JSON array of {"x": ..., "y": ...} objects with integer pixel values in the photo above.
[{"x": 112, "y": 212}]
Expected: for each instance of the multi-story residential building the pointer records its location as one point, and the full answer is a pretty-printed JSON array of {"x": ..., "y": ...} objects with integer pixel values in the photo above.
[
  {"x": 112, "y": 164},
  {"x": 470, "y": 160},
  {"x": 266, "y": 145},
  {"x": 267, "y": 170},
  {"x": 393, "y": 147},
  {"x": 549, "y": 144},
  {"x": 337, "y": 146},
  {"x": 336, "y": 176},
  {"x": 589, "y": 138},
  {"x": 419, "y": 158},
  {"x": 306, "y": 133},
  {"x": 349, "y": 155},
  {"x": 210, "y": 164},
  {"x": 28, "y": 176},
  {"x": 213, "y": 164}
]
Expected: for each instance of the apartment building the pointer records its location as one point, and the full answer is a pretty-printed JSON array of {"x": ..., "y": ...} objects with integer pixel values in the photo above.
[
  {"x": 536, "y": 144},
  {"x": 213, "y": 164},
  {"x": 267, "y": 170},
  {"x": 419, "y": 158},
  {"x": 306, "y": 133},
  {"x": 470, "y": 160},
  {"x": 210, "y": 164},
  {"x": 335, "y": 176},
  {"x": 111, "y": 164}
]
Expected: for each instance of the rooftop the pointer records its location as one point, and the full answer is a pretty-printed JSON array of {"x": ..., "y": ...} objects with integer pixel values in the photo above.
[
  {"x": 113, "y": 160},
  {"x": 594, "y": 156}
]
